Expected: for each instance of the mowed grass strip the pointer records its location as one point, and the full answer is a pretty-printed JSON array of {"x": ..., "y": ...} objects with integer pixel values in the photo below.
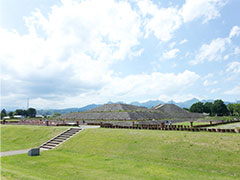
[
  {"x": 133, "y": 154},
  {"x": 15, "y": 137}
]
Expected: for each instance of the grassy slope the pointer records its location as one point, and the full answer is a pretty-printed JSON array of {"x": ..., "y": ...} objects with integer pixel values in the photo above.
[
  {"x": 22, "y": 137},
  {"x": 133, "y": 154}
]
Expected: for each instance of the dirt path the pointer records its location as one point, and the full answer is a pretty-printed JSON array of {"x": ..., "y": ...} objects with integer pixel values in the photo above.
[{"x": 228, "y": 126}]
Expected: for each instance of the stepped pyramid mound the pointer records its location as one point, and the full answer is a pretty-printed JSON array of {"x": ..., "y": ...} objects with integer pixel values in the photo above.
[
  {"x": 176, "y": 112},
  {"x": 117, "y": 112},
  {"x": 118, "y": 107}
]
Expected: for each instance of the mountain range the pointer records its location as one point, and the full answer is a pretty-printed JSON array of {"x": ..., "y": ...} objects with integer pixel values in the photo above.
[{"x": 148, "y": 104}]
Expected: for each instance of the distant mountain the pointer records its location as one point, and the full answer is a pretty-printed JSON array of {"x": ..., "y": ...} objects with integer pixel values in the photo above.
[
  {"x": 188, "y": 103},
  {"x": 148, "y": 104},
  {"x": 67, "y": 110}
]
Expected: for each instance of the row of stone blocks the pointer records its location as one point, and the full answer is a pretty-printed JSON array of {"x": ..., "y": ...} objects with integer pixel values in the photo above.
[{"x": 172, "y": 128}]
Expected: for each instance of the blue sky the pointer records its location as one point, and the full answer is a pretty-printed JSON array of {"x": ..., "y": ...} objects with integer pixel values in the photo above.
[{"x": 71, "y": 53}]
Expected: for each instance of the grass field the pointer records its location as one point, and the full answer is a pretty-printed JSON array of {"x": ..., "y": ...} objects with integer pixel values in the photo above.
[
  {"x": 133, "y": 154},
  {"x": 22, "y": 137}
]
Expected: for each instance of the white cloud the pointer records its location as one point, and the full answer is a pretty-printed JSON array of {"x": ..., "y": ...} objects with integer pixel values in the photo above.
[
  {"x": 69, "y": 51},
  {"x": 235, "y": 31},
  {"x": 170, "y": 54},
  {"x": 211, "y": 52},
  {"x": 234, "y": 91},
  {"x": 142, "y": 85},
  {"x": 163, "y": 21},
  {"x": 234, "y": 67},
  {"x": 66, "y": 58},
  {"x": 213, "y": 91},
  {"x": 226, "y": 57},
  {"x": 209, "y": 83},
  {"x": 208, "y": 9},
  {"x": 183, "y": 41},
  {"x": 237, "y": 51},
  {"x": 172, "y": 44},
  {"x": 216, "y": 49}
]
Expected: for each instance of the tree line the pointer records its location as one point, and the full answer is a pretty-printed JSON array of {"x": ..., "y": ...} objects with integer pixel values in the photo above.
[
  {"x": 217, "y": 108},
  {"x": 30, "y": 112}
]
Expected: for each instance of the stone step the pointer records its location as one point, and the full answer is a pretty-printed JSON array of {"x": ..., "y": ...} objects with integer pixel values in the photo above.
[
  {"x": 68, "y": 133},
  {"x": 60, "y": 138},
  {"x": 64, "y": 135},
  {"x": 49, "y": 144},
  {"x": 54, "y": 142},
  {"x": 57, "y": 140},
  {"x": 47, "y": 147}
]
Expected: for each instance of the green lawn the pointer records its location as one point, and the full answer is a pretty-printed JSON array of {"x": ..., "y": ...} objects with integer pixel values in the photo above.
[
  {"x": 133, "y": 154},
  {"x": 14, "y": 137}
]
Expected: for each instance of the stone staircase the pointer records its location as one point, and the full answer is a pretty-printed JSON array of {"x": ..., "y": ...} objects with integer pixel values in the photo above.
[{"x": 59, "y": 139}]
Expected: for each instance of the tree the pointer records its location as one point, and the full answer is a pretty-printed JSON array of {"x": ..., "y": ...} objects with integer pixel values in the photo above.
[
  {"x": 10, "y": 114},
  {"x": 207, "y": 108},
  {"x": 21, "y": 112},
  {"x": 230, "y": 108},
  {"x": 237, "y": 109},
  {"x": 31, "y": 112},
  {"x": 197, "y": 107},
  {"x": 219, "y": 108},
  {"x": 3, "y": 113}
]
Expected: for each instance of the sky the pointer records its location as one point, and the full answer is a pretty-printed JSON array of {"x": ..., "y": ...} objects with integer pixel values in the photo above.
[{"x": 71, "y": 53}]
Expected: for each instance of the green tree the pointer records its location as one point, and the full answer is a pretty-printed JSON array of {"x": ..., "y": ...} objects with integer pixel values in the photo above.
[
  {"x": 21, "y": 112},
  {"x": 207, "y": 108},
  {"x": 10, "y": 114},
  {"x": 197, "y": 107},
  {"x": 237, "y": 109},
  {"x": 219, "y": 108},
  {"x": 31, "y": 112},
  {"x": 230, "y": 108},
  {"x": 3, "y": 113}
]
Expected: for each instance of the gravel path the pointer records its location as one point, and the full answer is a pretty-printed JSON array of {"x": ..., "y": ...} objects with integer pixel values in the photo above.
[
  {"x": 228, "y": 126},
  {"x": 9, "y": 153}
]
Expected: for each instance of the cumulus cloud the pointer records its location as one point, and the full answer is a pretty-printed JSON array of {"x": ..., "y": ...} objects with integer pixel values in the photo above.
[
  {"x": 207, "y": 9},
  {"x": 209, "y": 83},
  {"x": 156, "y": 83},
  {"x": 211, "y": 52},
  {"x": 234, "y": 91},
  {"x": 236, "y": 51},
  {"x": 170, "y": 54},
  {"x": 65, "y": 59},
  {"x": 163, "y": 21},
  {"x": 235, "y": 31},
  {"x": 216, "y": 49},
  {"x": 183, "y": 41},
  {"x": 70, "y": 50},
  {"x": 234, "y": 67}
]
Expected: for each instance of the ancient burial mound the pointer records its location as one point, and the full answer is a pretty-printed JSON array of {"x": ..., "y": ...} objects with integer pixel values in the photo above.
[
  {"x": 110, "y": 112},
  {"x": 176, "y": 112}
]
